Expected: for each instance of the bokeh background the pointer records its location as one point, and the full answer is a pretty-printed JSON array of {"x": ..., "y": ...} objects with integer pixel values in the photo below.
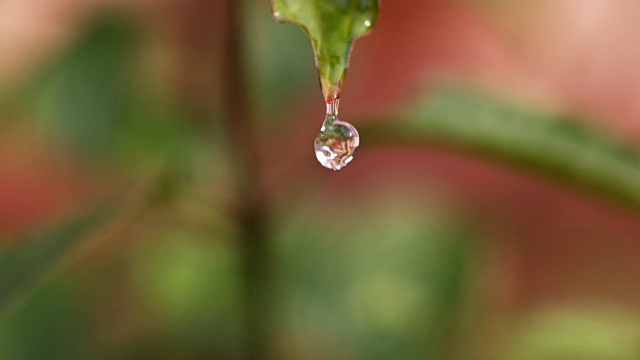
[{"x": 409, "y": 253}]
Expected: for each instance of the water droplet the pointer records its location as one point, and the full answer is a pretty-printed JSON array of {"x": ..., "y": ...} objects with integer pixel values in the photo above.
[
  {"x": 367, "y": 23},
  {"x": 337, "y": 141}
]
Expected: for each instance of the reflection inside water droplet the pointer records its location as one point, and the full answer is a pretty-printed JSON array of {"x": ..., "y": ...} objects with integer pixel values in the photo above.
[{"x": 337, "y": 141}]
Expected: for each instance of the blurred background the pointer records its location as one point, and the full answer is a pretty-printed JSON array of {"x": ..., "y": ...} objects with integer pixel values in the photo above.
[{"x": 409, "y": 253}]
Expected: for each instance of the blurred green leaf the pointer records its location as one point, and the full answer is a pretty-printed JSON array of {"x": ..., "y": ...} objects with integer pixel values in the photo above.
[
  {"x": 576, "y": 332},
  {"x": 30, "y": 260},
  {"x": 99, "y": 96},
  {"x": 555, "y": 145},
  {"x": 88, "y": 89},
  {"x": 332, "y": 26},
  {"x": 382, "y": 280},
  {"x": 52, "y": 325},
  {"x": 189, "y": 286}
]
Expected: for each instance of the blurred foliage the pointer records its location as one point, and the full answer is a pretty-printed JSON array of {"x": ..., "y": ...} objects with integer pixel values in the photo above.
[
  {"x": 577, "y": 332},
  {"x": 52, "y": 325},
  {"x": 23, "y": 266},
  {"x": 95, "y": 96},
  {"x": 190, "y": 288},
  {"x": 354, "y": 280},
  {"x": 278, "y": 63},
  {"x": 383, "y": 281},
  {"x": 90, "y": 90},
  {"x": 559, "y": 146}
]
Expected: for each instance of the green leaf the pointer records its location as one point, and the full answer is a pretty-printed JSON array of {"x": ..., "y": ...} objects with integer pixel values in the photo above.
[
  {"x": 390, "y": 273},
  {"x": 578, "y": 331},
  {"x": 98, "y": 96},
  {"x": 30, "y": 260},
  {"x": 556, "y": 145},
  {"x": 88, "y": 89},
  {"x": 332, "y": 25}
]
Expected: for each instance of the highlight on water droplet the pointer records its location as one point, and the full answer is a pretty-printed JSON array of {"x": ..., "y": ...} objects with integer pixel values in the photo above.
[
  {"x": 367, "y": 23},
  {"x": 337, "y": 141}
]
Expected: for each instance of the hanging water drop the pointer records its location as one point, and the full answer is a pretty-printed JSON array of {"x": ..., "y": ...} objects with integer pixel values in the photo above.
[
  {"x": 337, "y": 141},
  {"x": 332, "y": 35}
]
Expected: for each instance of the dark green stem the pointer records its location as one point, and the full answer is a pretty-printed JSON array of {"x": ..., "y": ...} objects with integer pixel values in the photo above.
[{"x": 251, "y": 209}]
